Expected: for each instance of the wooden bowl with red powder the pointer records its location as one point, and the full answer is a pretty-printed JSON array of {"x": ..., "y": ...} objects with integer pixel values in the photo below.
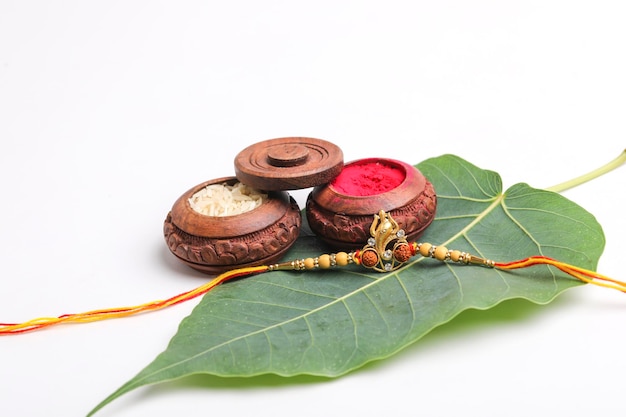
[{"x": 341, "y": 211}]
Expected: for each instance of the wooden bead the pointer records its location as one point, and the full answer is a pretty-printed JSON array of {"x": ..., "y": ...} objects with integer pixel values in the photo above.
[
  {"x": 341, "y": 258},
  {"x": 402, "y": 253},
  {"x": 441, "y": 253},
  {"x": 309, "y": 263},
  {"x": 425, "y": 249},
  {"x": 369, "y": 258},
  {"x": 455, "y": 255},
  {"x": 324, "y": 261}
]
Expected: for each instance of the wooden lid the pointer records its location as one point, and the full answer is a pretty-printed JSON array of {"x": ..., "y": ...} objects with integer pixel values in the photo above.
[{"x": 289, "y": 163}]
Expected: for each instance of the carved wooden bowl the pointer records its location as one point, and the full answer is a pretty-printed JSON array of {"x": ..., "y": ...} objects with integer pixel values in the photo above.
[
  {"x": 343, "y": 221},
  {"x": 214, "y": 244}
]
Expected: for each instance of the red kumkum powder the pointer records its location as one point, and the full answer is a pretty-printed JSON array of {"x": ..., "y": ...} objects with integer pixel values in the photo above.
[{"x": 368, "y": 178}]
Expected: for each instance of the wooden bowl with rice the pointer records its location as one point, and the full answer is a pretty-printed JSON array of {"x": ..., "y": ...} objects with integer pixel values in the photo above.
[{"x": 223, "y": 224}]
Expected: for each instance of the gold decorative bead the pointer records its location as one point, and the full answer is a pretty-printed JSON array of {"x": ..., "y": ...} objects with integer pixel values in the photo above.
[
  {"x": 441, "y": 253},
  {"x": 341, "y": 258},
  {"x": 324, "y": 261},
  {"x": 425, "y": 249},
  {"x": 455, "y": 255},
  {"x": 309, "y": 263}
]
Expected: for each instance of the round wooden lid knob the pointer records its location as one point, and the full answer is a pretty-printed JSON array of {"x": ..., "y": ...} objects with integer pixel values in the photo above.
[
  {"x": 289, "y": 155},
  {"x": 289, "y": 163}
]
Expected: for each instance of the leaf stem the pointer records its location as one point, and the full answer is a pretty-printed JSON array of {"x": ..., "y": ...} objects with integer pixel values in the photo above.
[{"x": 616, "y": 163}]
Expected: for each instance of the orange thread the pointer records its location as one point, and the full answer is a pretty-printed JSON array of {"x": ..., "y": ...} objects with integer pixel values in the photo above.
[
  {"x": 585, "y": 275},
  {"x": 111, "y": 313},
  {"x": 582, "y": 274}
]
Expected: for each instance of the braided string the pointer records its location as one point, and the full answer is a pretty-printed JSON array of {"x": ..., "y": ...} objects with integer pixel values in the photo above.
[{"x": 387, "y": 250}]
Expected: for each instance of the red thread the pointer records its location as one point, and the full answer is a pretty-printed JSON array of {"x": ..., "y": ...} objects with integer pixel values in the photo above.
[{"x": 109, "y": 313}]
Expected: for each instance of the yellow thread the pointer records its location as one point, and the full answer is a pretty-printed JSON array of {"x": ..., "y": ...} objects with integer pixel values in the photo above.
[{"x": 111, "y": 313}]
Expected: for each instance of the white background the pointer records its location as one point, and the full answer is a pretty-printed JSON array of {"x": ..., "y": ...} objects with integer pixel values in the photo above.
[{"x": 109, "y": 110}]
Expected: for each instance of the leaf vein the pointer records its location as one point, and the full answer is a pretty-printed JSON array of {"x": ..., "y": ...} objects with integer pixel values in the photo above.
[
  {"x": 275, "y": 284},
  {"x": 408, "y": 299},
  {"x": 478, "y": 184},
  {"x": 378, "y": 310},
  {"x": 521, "y": 227},
  {"x": 465, "y": 198},
  {"x": 445, "y": 175}
]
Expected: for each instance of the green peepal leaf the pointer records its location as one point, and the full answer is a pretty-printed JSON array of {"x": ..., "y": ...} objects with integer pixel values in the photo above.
[{"x": 330, "y": 322}]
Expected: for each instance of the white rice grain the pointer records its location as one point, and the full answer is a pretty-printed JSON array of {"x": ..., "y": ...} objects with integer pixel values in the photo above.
[{"x": 226, "y": 200}]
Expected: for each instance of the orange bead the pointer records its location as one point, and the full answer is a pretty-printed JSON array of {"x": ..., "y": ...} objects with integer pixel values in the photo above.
[
  {"x": 369, "y": 258},
  {"x": 402, "y": 253}
]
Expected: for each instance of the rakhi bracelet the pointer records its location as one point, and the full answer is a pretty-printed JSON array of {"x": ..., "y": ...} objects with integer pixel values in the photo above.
[{"x": 387, "y": 250}]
